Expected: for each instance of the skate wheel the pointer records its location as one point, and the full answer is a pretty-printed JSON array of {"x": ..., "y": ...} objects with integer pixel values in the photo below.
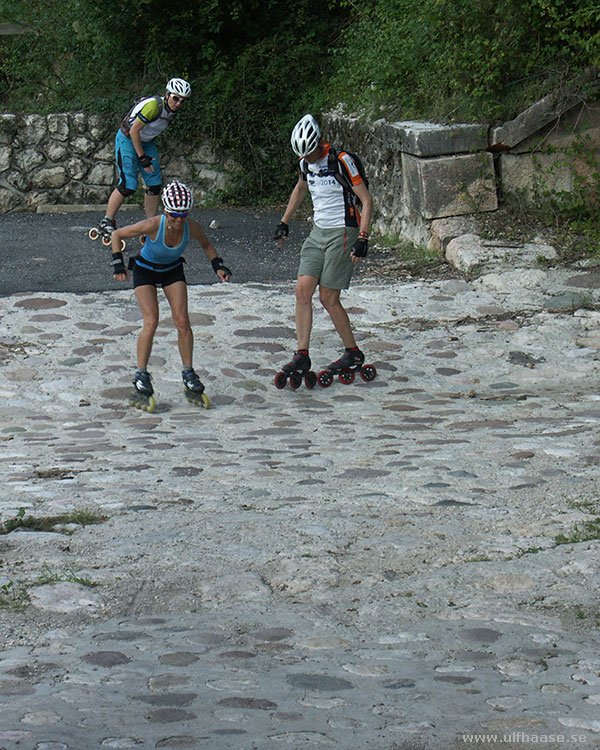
[
  {"x": 310, "y": 380},
  {"x": 295, "y": 381},
  {"x": 149, "y": 405},
  {"x": 368, "y": 373},
  {"x": 346, "y": 377},
  {"x": 325, "y": 378},
  {"x": 204, "y": 401},
  {"x": 93, "y": 234},
  {"x": 280, "y": 380}
]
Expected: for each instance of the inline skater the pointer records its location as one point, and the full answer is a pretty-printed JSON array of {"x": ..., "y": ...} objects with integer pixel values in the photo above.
[
  {"x": 339, "y": 240},
  {"x": 160, "y": 262},
  {"x": 135, "y": 150}
]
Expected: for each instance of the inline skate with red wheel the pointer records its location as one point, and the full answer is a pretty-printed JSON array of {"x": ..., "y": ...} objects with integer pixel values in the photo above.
[
  {"x": 296, "y": 370},
  {"x": 345, "y": 368}
]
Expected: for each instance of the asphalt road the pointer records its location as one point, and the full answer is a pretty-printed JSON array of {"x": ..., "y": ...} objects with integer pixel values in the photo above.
[{"x": 52, "y": 252}]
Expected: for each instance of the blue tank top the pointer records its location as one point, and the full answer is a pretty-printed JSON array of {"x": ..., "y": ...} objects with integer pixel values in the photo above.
[{"x": 156, "y": 252}]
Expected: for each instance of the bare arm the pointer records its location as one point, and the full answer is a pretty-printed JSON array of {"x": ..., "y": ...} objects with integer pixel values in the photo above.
[
  {"x": 366, "y": 200},
  {"x": 298, "y": 194},
  {"x": 197, "y": 233},
  {"x": 146, "y": 226}
]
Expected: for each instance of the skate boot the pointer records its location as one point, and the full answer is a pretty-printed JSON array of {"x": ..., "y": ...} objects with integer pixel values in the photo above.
[
  {"x": 142, "y": 397},
  {"x": 194, "y": 389},
  {"x": 345, "y": 368},
  {"x": 295, "y": 370},
  {"x": 104, "y": 230}
]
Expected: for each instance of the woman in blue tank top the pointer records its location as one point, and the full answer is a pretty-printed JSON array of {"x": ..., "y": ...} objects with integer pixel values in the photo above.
[{"x": 160, "y": 263}]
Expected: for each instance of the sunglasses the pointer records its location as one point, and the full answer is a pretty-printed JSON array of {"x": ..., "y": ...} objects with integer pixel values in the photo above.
[
  {"x": 177, "y": 99},
  {"x": 178, "y": 214}
]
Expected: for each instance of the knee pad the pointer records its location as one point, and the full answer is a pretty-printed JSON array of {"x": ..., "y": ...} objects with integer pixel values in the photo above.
[
  {"x": 126, "y": 192},
  {"x": 153, "y": 190}
]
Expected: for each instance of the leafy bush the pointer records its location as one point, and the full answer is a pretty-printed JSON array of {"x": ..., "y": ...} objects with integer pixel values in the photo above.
[{"x": 451, "y": 60}]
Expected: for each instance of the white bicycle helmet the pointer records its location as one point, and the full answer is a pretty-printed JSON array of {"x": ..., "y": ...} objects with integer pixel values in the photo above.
[
  {"x": 177, "y": 197},
  {"x": 179, "y": 86},
  {"x": 305, "y": 136}
]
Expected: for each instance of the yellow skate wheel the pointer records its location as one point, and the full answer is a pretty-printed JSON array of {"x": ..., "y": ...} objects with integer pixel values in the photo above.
[
  {"x": 150, "y": 405},
  {"x": 204, "y": 401}
]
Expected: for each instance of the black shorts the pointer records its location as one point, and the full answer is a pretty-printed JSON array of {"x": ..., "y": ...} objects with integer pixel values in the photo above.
[{"x": 144, "y": 276}]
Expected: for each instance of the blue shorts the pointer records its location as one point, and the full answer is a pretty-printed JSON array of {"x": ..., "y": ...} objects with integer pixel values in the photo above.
[{"x": 129, "y": 165}]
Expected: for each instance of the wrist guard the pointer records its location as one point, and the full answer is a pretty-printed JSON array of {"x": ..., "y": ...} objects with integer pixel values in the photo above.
[
  {"x": 218, "y": 265},
  {"x": 282, "y": 231},
  {"x": 360, "y": 247},
  {"x": 117, "y": 263},
  {"x": 145, "y": 161}
]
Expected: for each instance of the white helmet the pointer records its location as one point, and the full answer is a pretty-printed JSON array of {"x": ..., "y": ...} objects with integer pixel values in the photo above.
[
  {"x": 305, "y": 135},
  {"x": 177, "y": 197},
  {"x": 179, "y": 86}
]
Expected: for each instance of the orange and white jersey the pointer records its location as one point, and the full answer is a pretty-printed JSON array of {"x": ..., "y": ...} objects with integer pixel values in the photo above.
[{"x": 333, "y": 204}]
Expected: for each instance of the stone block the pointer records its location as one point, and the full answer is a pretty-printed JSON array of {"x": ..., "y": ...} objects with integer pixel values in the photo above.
[
  {"x": 5, "y": 157},
  {"x": 465, "y": 252},
  {"x": 34, "y": 130},
  {"x": 449, "y": 185},
  {"x": 53, "y": 177},
  {"x": 545, "y": 111},
  {"x": 8, "y": 128},
  {"x": 56, "y": 151},
  {"x": 76, "y": 168},
  {"x": 431, "y": 139},
  {"x": 443, "y": 231},
  {"x": 9, "y": 200},
  {"x": 29, "y": 159},
  {"x": 83, "y": 145},
  {"x": 534, "y": 173},
  {"x": 58, "y": 126},
  {"x": 101, "y": 174}
]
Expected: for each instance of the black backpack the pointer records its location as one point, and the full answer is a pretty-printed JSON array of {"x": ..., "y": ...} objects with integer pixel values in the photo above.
[{"x": 335, "y": 169}]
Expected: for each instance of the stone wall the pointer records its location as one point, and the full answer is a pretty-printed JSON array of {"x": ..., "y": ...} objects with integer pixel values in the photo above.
[
  {"x": 69, "y": 159},
  {"x": 419, "y": 172},
  {"x": 423, "y": 176}
]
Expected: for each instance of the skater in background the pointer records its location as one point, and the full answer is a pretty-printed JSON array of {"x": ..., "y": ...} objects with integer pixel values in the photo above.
[
  {"x": 338, "y": 241},
  {"x": 160, "y": 262},
  {"x": 135, "y": 150}
]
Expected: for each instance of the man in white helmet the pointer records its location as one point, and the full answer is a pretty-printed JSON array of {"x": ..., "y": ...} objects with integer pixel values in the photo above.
[
  {"x": 136, "y": 152},
  {"x": 338, "y": 241}
]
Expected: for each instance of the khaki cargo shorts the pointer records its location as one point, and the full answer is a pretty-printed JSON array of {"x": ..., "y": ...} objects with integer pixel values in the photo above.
[{"x": 325, "y": 255}]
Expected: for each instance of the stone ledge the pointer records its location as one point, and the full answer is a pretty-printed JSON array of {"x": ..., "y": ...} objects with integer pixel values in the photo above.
[{"x": 59, "y": 208}]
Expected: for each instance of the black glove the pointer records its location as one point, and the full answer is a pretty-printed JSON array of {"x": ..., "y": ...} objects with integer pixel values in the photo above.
[
  {"x": 145, "y": 161},
  {"x": 117, "y": 263},
  {"x": 282, "y": 231},
  {"x": 360, "y": 247},
  {"x": 217, "y": 264}
]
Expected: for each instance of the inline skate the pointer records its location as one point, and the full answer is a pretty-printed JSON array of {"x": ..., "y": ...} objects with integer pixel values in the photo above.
[
  {"x": 295, "y": 370},
  {"x": 345, "y": 368},
  {"x": 142, "y": 397},
  {"x": 104, "y": 231},
  {"x": 194, "y": 389}
]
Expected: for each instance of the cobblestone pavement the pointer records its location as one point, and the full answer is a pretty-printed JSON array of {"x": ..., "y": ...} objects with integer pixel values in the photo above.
[{"x": 403, "y": 564}]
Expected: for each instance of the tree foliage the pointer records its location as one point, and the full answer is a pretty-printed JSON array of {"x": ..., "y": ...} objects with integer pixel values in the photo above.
[
  {"x": 257, "y": 65},
  {"x": 459, "y": 59}
]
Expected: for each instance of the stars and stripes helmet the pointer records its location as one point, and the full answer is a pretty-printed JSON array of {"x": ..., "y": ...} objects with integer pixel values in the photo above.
[
  {"x": 177, "y": 197},
  {"x": 305, "y": 136}
]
